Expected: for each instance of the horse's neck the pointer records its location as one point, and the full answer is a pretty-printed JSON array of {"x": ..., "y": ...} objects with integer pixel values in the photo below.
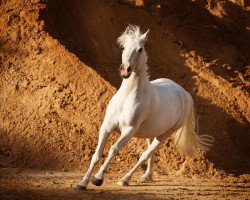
[{"x": 137, "y": 82}]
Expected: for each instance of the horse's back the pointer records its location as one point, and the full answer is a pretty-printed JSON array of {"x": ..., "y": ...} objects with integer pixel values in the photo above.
[
  {"x": 167, "y": 86},
  {"x": 160, "y": 81},
  {"x": 163, "y": 81}
]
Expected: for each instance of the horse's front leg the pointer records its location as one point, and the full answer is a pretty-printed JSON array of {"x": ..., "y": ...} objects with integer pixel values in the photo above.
[
  {"x": 147, "y": 176},
  {"x": 126, "y": 134},
  {"x": 105, "y": 130}
]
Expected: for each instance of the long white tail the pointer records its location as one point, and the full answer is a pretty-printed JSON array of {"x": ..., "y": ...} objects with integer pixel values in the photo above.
[{"x": 187, "y": 141}]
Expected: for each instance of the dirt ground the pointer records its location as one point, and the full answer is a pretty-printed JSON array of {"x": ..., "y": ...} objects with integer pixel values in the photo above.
[
  {"x": 59, "y": 68},
  {"x": 32, "y": 184}
]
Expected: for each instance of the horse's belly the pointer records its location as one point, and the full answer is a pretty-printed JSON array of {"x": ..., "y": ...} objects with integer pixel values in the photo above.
[
  {"x": 146, "y": 133},
  {"x": 159, "y": 122},
  {"x": 151, "y": 130}
]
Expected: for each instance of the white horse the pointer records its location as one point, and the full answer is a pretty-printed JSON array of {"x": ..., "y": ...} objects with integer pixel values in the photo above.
[{"x": 148, "y": 109}]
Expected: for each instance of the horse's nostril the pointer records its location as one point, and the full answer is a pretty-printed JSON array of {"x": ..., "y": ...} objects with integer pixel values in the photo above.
[{"x": 129, "y": 69}]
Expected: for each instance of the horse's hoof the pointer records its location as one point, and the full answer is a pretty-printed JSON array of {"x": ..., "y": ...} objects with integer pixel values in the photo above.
[
  {"x": 122, "y": 183},
  {"x": 144, "y": 178},
  {"x": 80, "y": 187},
  {"x": 96, "y": 181}
]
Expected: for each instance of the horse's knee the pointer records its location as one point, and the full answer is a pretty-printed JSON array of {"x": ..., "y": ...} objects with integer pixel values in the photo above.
[
  {"x": 113, "y": 150},
  {"x": 95, "y": 159},
  {"x": 107, "y": 126},
  {"x": 145, "y": 156}
]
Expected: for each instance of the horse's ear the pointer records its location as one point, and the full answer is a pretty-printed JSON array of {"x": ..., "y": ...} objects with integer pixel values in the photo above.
[
  {"x": 130, "y": 28},
  {"x": 127, "y": 29},
  {"x": 144, "y": 37}
]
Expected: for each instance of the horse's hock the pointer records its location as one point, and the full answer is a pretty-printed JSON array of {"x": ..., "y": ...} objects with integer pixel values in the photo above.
[{"x": 70, "y": 78}]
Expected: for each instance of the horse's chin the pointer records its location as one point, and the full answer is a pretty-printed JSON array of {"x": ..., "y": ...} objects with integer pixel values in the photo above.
[{"x": 126, "y": 76}]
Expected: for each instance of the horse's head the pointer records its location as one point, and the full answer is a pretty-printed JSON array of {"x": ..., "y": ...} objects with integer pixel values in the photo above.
[{"x": 132, "y": 43}]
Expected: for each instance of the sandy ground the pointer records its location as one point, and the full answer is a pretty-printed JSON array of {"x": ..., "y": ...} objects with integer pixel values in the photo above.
[{"x": 33, "y": 184}]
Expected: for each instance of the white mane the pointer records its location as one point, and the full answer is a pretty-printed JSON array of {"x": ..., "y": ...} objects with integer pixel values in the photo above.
[{"x": 131, "y": 31}]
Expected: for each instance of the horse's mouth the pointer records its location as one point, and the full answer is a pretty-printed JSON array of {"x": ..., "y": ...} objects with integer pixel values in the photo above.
[{"x": 125, "y": 76}]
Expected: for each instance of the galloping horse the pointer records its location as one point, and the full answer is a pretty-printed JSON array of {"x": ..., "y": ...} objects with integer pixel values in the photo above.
[{"x": 153, "y": 110}]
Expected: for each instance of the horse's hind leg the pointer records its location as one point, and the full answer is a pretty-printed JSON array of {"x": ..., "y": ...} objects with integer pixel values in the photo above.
[
  {"x": 145, "y": 155},
  {"x": 147, "y": 176}
]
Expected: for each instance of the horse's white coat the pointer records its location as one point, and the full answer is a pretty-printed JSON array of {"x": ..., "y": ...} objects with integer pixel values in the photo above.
[{"x": 147, "y": 109}]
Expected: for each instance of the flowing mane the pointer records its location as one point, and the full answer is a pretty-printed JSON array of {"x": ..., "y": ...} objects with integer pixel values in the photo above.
[{"x": 131, "y": 31}]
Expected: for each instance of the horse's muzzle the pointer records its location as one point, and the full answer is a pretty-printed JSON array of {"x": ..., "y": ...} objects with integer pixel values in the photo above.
[{"x": 125, "y": 71}]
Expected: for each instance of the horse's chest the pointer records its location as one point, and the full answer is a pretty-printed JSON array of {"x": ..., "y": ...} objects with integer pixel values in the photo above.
[{"x": 130, "y": 113}]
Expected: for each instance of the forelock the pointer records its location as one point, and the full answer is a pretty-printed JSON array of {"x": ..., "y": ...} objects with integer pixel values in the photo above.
[{"x": 131, "y": 31}]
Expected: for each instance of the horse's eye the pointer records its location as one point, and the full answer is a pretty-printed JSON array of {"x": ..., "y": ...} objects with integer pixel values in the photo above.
[
  {"x": 122, "y": 48},
  {"x": 140, "y": 50}
]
